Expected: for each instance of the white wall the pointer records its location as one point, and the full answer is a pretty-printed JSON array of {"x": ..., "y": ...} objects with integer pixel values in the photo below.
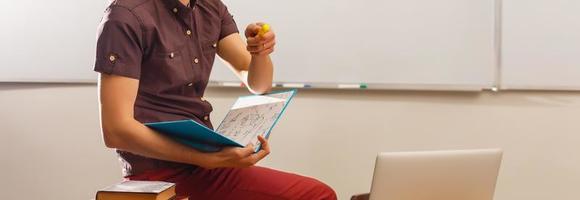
[{"x": 51, "y": 147}]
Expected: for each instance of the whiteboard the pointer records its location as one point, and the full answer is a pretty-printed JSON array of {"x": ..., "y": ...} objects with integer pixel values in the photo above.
[
  {"x": 442, "y": 43},
  {"x": 49, "y": 41},
  {"x": 541, "y": 44},
  {"x": 399, "y": 43}
]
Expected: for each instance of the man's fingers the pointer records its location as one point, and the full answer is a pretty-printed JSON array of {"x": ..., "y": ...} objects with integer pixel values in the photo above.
[
  {"x": 268, "y": 44},
  {"x": 256, "y": 30},
  {"x": 241, "y": 153},
  {"x": 260, "y": 49},
  {"x": 268, "y": 36},
  {"x": 254, "y": 41},
  {"x": 252, "y": 30},
  {"x": 257, "y": 41},
  {"x": 264, "y": 148},
  {"x": 253, "y": 158},
  {"x": 260, "y": 155},
  {"x": 264, "y": 145}
]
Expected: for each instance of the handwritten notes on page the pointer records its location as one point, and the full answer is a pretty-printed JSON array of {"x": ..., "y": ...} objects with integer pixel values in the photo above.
[{"x": 251, "y": 116}]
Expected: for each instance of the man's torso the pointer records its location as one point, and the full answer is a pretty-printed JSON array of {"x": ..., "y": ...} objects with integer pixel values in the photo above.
[{"x": 179, "y": 45}]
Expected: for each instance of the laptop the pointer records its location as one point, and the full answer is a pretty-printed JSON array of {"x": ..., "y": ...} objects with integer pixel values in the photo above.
[{"x": 436, "y": 175}]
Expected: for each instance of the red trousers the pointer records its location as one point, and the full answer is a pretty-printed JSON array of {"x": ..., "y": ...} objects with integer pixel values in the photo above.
[{"x": 252, "y": 183}]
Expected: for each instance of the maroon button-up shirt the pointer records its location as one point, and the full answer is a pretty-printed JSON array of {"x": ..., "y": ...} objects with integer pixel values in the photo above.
[{"x": 170, "y": 48}]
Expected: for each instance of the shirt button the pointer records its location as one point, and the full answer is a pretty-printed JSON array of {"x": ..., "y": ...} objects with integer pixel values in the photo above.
[
  {"x": 195, "y": 60},
  {"x": 174, "y": 10},
  {"x": 190, "y": 84},
  {"x": 171, "y": 55},
  {"x": 188, "y": 32},
  {"x": 214, "y": 45},
  {"x": 112, "y": 58},
  {"x": 206, "y": 118}
]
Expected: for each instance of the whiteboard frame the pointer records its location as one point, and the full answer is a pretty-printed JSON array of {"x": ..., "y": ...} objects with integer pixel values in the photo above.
[
  {"x": 368, "y": 86},
  {"x": 541, "y": 88}
]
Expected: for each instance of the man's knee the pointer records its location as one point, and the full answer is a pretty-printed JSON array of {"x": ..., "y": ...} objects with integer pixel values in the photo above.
[{"x": 321, "y": 191}]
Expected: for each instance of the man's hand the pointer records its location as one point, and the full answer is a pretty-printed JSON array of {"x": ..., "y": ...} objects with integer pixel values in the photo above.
[
  {"x": 238, "y": 157},
  {"x": 259, "y": 44},
  {"x": 251, "y": 61}
]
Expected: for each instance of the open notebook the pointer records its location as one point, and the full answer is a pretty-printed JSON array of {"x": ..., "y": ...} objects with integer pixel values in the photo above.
[{"x": 249, "y": 117}]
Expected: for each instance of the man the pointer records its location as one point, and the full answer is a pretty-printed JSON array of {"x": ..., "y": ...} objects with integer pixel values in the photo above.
[{"x": 154, "y": 59}]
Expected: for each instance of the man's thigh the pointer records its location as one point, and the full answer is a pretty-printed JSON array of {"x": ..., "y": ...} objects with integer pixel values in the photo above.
[{"x": 252, "y": 183}]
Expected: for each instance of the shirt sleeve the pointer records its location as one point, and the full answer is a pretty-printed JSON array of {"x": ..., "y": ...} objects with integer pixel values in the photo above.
[
  {"x": 228, "y": 25},
  {"x": 119, "y": 44}
]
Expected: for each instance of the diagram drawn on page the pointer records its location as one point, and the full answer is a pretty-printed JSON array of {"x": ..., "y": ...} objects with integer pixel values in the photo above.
[{"x": 252, "y": 116}]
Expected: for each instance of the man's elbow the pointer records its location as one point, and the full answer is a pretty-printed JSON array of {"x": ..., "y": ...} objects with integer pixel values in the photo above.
[
  {"x": 110, "y": 141},
  {"x": 115, "y": 132},
  {"x": 111, "y": 137}
]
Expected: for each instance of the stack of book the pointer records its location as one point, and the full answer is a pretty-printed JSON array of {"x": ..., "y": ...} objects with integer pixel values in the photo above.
[{"x": 138, "y": 190}]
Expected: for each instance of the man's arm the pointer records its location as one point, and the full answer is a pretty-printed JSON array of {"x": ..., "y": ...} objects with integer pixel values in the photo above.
[
  {"x": 250, "y": 62},
  {"x": 120, "y": 130}
]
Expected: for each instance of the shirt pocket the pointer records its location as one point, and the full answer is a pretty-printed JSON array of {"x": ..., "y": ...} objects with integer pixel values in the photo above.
[
  {"x": 167, "y": 70},
  {"x": 209, "y": 51}
]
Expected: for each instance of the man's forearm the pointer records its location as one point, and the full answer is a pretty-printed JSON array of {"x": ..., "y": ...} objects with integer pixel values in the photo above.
[
  {"x": 260, "y": 74},
  {"x": 136, "y": 138}
]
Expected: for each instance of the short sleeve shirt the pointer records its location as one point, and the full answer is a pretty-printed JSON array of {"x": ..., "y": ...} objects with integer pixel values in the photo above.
[{"x": 170, "y": 48}]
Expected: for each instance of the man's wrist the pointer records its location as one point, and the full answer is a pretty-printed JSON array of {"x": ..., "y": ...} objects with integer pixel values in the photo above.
[
  {"x": 200, "y": 159},
  {"x": 258, "y": 56}
]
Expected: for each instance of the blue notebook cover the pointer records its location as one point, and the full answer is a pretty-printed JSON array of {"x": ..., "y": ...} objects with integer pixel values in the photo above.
[{"x": 198, "y": 136}]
